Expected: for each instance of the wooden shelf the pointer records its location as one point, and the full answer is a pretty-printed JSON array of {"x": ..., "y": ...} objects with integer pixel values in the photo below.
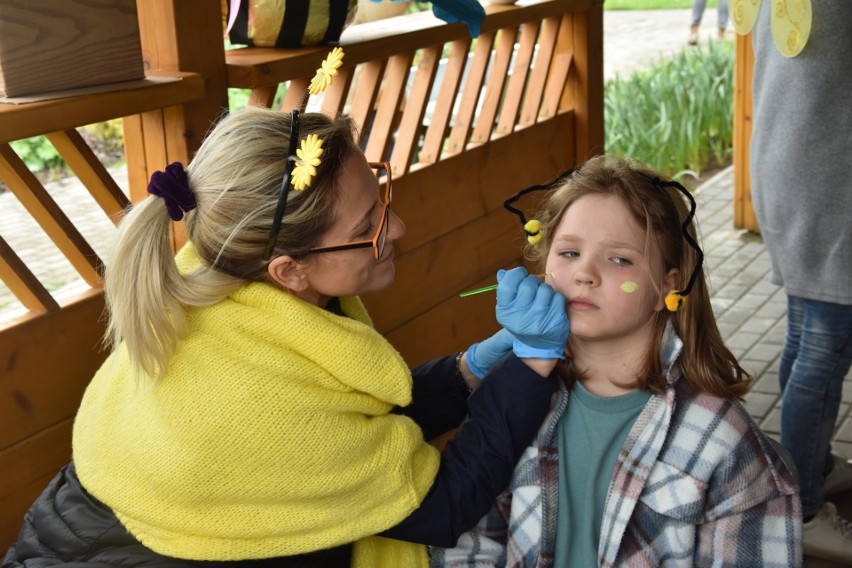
[{"x": 31, "y": 119}]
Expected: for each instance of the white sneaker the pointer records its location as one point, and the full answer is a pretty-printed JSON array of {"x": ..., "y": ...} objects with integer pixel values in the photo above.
[
  {"x": 840, "y": 478},
  {"x": 829, "y": 536}
]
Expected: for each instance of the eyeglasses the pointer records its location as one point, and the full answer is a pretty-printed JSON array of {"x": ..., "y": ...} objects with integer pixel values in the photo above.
[
  {"x": 380, "y": 238},
  {"x": 284, "y": 188}
]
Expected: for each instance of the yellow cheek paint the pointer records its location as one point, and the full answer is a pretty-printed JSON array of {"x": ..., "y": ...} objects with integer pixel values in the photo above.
[{"x": 629, "y": 286}]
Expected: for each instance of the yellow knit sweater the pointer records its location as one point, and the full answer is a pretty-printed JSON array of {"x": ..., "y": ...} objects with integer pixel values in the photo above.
[{"x": 269, "y": 436}]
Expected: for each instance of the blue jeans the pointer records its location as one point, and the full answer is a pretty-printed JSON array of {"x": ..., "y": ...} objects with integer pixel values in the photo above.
[
  {"x": 698, "y": 11},
  {"x": 817, "y": 355}
]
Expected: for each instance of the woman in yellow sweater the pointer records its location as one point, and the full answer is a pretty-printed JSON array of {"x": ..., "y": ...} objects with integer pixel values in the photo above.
[{"x": 249, "y": 412}]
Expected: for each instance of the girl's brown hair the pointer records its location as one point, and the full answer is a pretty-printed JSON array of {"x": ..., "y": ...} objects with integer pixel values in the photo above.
[
  {"x": 235, "y": 178},
  {"x": 707, "y": 363}
]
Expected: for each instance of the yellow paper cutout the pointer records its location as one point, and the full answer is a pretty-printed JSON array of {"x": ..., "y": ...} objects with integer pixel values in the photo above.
[
  {"x": 791, "y": 25},
  {"x": 629, "y": 286},
  {"x": 744, "y": 15}
]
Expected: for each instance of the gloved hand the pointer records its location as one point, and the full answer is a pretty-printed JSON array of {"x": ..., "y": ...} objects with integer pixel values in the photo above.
[
  {"x": 483, "y": 355},
  {"x": 533, "y": 313}
]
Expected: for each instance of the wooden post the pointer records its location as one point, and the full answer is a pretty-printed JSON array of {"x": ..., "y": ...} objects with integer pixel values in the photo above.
[
  {"x": 177, "y": 35},
  {"x": 744, "y": 217},
  {"x": 588, "y": 83}
]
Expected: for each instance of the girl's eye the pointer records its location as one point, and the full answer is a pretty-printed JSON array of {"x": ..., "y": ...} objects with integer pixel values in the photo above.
[
  {"x": 621, "y": 261},
  {"x": 569, "y": 253}
]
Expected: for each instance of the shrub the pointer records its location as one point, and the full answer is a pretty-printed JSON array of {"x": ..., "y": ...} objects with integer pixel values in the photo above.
[{"x": 678, "y": 114}]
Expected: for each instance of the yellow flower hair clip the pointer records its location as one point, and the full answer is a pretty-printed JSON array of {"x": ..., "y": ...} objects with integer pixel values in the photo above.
[
  {"x": 326, "y": 72},
  {"x": 307, "y": 160}
]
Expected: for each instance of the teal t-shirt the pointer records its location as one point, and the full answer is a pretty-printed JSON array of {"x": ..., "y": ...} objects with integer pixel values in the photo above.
[{"x": 590, "y": 435}]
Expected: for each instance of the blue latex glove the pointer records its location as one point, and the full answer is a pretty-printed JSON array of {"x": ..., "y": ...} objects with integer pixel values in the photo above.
[
  {"x": 483, "y": 355},
  {"x": 470, "y": 12},
  {"x": 532, "y": 312}
]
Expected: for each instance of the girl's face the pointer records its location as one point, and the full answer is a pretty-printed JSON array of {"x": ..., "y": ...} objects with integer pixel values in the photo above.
[
  {"x": 357, "y": 215},
  {"x": 614, "y": 286}
]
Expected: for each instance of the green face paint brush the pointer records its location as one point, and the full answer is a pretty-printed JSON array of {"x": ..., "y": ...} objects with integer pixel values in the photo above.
[{"x": 494, "y": 287}]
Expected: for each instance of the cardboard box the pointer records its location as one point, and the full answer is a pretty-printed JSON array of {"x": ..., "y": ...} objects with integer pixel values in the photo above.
[{"x": 50, "y": 45}]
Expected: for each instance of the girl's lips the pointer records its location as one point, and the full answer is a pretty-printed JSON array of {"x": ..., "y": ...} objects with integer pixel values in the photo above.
[{"x": 581, "y": 304}]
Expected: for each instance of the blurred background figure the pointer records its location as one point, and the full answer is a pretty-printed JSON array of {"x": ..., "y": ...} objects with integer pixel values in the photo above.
[{"x": 698, "y": 11}]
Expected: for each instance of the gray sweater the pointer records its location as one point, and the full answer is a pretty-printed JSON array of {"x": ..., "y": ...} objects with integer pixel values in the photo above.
[{"x": 801, "y": 154}]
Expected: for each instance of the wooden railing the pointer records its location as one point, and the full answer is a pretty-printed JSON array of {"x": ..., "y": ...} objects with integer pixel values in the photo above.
[{"x": 465, "y": 123}]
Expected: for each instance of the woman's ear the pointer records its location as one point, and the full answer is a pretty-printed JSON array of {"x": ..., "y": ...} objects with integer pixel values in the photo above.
[
  {"x": 669, "y": 283},
  {"x": 288, "y": 273}
]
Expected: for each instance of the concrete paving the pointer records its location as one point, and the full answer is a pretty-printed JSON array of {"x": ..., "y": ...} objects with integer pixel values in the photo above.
[{"x": 750, "y": 310}]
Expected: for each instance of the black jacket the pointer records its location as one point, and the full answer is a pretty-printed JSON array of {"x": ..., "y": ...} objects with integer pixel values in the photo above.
[{"x": 67, "y": 527}]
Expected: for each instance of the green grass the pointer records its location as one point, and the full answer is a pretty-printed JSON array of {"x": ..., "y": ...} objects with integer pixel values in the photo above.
[
  {"x": 651, "y": 4},
  {"x": 677, "y": 116}
]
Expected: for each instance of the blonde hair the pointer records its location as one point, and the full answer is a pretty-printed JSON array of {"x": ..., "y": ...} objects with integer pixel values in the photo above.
[
  {"x": 235, "y": 178},
  {"x": 707, "y": 363}
]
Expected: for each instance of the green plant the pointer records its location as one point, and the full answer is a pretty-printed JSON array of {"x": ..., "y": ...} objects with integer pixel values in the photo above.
[
  {"x": 38, "y": 154},
  {"x": 677, "y": 115}
]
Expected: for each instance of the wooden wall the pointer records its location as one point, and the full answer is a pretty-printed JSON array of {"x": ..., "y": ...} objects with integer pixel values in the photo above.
[{"x": 464, "y": 124}]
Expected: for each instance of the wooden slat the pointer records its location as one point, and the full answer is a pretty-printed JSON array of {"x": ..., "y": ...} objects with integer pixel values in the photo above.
[
  {"x": 23, "y": 283},
  {"x": 134, "y": 142},
  {"x": 433, "y": 143},
  {"x": 25, "y": 470},
  {"x": 254, "y": 67},
  {"x": 25, "y": 121},
  {"x": 154, "y": 127},
  {"x": 463, "y": 121},
  {"x": 366, "y": 92},
  {"x": 47, "y": 361},
  {"x": 335, "y": 95},
  {"x": 540, "y": 71},
  {"x": 297, "y": 94},
  {"x": 494, "y": 89},
  {"x": 388, "y": 106},
  {"x": 411, "y": 124},
  {"x": 89, "y": 169},
  {"x": 263, "y": 96},
  {"x": 518, "y": 80},
  {"x": 557, "y": 80},
  {"x": 47, "y": 213}
]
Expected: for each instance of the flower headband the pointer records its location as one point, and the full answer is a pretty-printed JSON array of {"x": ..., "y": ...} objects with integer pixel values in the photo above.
[
  {"x": 675, "y": 298},
  {"x": 307, "y": 156}
]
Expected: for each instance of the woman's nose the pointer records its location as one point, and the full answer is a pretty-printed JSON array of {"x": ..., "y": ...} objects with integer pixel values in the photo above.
[{"x": 396, "y": 228}]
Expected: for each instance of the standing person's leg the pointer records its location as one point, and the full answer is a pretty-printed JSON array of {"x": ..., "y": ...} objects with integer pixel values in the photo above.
[
  {"x": 722, "y": 18},
  {"x": 697, "y": 11},
  {"x": 817, "y": 355}
]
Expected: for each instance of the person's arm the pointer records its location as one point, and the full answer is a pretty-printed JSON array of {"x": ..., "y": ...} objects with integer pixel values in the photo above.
[
  {"x": 505, "y": 414},
  {"x": 439, "y": 397},
  {"x": 484, "y": 546}
]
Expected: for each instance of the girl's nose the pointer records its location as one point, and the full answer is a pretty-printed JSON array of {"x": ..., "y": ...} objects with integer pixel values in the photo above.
[{"x": 586, "y": 274}]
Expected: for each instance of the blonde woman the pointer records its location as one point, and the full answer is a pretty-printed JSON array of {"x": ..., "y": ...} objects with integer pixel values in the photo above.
[{"x": 249, "y": 413}]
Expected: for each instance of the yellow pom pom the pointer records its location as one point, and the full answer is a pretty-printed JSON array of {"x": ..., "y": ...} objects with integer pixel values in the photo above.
[
  {"x": 674, "y": 300},
  {"x": 533, "y": 229}
]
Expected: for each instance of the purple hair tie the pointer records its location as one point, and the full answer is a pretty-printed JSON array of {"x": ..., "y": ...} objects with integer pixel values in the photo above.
[{"x": 173, "y": 186}]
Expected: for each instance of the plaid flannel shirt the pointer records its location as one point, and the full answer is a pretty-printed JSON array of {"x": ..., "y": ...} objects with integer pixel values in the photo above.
[{"x": 696, "y": 484}]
